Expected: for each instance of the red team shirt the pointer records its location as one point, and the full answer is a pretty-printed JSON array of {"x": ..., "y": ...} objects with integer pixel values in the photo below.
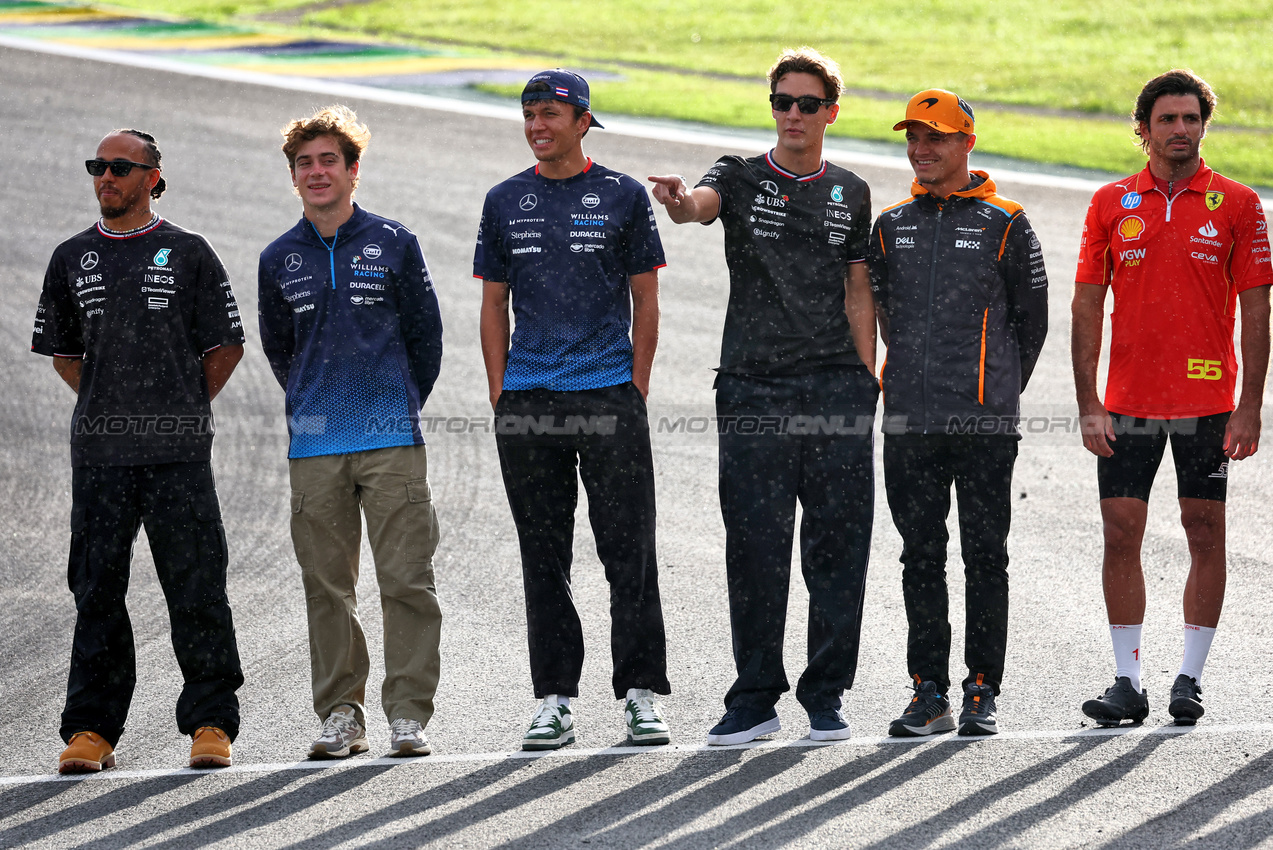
[{"x": 1176, "y": 267}]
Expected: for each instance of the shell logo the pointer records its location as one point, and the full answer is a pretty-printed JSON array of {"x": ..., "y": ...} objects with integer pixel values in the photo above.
[{"x": 1131, "y": 228}]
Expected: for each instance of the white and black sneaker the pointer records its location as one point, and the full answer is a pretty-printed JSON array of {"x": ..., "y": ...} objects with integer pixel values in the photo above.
[
  {"x": 342, "y": 736},
  {"x": 551, "y": 727}
]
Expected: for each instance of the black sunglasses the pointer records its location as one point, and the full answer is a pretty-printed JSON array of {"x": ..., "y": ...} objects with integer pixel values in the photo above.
[
  {"x": 807, "y": 103},
  {"x": 118, "y": 167}
]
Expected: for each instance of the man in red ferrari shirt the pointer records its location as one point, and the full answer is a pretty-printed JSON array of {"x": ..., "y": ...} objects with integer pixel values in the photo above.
[{"x": 1181, "y": 247}]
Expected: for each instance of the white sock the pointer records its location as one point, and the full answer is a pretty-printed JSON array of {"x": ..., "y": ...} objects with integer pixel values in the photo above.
[
  {"x": 1197, "y": 645},
  {"x": 563, "y": 701},
  {"x": 1127, "y": 652}
]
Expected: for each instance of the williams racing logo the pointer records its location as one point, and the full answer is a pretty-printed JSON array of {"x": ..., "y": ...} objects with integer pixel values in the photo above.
[{"x": 363, "y": 269}]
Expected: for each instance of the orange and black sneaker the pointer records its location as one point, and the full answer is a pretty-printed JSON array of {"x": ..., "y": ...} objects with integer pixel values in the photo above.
[
  {"x": 86, "y": 752},
  {"x": 978, "y": 715},
  {"x": 927, "y": 713},
  {"x": 210, "y": 748}
]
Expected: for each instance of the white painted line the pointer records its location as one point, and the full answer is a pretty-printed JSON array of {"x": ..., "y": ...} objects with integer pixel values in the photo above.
[
  {"x": 332, "y": 89},
  {"x": 572, "y": 753}
]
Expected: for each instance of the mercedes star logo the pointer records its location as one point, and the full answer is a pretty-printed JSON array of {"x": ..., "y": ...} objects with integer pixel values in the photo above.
[
  {"x": 293, "y": 262},
  {"x": 88, "y": 261},
  {"x": 528, "y": 202}
]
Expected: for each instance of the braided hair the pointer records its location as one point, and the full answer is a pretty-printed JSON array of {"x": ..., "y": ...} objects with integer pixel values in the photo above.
[{"x": 156, "y": 158}]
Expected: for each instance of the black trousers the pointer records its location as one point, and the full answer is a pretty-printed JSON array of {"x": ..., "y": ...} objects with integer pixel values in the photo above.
[
  {"x": 918, "y": 472},
  {"x": 177, "y": 502},
  {"x": 548, "y": 441},
  {"x": 783, "y": 439}
]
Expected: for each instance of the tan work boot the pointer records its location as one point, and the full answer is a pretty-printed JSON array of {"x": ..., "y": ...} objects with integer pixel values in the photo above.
[
  {"x": 87, "y": 752},
  {"x": 210, "y": 748}
]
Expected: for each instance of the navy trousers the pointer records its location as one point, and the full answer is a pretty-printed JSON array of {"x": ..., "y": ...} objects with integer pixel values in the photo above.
[
  {"x": 177, "y": 503},
  {"x": 548, "y": 441},
  {"x": 784, "y": 439}
]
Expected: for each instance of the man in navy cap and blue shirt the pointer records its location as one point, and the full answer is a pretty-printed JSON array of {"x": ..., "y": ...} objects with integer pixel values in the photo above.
[{"x": 574, "y": 246}]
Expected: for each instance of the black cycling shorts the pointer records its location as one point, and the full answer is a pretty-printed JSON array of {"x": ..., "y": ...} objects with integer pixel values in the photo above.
[{"x": 1197, "y": 447}]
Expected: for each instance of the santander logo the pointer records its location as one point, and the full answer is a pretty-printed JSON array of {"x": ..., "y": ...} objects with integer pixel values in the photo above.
[{"x": 1209, "y": 230}]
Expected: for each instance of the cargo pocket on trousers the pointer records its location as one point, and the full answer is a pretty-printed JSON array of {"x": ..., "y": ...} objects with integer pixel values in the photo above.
[
  {"x": 209, "y": 533},
  {"x": 300, "y": 534},
  {"x": 77, "y": 563},
  {"x": 422, "y": 535}
]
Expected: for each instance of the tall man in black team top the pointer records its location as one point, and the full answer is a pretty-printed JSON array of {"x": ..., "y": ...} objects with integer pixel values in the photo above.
[
  {"x": 959, "y": 277},
  {"x": 140, "y": 321},
  {"x": 798, "y": 349}
]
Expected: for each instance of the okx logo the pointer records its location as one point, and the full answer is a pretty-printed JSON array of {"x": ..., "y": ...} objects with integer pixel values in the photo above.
[{"x": 161, "y": 259}]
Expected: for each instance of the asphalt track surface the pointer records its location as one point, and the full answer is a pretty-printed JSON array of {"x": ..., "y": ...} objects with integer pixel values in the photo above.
[{"x": 1048, "y": 781}]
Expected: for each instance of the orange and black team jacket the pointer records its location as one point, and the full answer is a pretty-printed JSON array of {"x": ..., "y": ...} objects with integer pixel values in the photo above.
[{"x": 962, "y": 284}]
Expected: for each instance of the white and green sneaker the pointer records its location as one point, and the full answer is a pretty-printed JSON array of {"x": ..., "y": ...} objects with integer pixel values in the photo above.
[
  {"x": 551, "y": 727},
  {"x": 644, "y": 716}
]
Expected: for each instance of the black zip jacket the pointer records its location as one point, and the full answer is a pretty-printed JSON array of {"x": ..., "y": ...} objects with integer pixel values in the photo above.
[{"x": 962, "y": 286}]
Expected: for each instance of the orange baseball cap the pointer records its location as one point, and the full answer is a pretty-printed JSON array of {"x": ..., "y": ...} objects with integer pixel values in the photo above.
[{"x": 940, "y": 109}]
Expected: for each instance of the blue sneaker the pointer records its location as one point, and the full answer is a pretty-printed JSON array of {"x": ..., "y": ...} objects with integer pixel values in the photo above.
[
  {"x": 828, "y": 725},
  {"x": 740, "y": 725}
]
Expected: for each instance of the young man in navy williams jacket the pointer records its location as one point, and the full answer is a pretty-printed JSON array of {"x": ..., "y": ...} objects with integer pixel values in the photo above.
[{"x": 350, "y": 324}]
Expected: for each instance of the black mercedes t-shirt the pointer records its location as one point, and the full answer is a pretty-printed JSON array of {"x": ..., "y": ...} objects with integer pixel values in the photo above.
[
  {"x": 141, "y": 311},
  {"x": 789, "y": 241}
]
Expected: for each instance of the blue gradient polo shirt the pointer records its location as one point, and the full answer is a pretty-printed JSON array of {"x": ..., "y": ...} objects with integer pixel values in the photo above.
[{"x": 566, "y": 248}]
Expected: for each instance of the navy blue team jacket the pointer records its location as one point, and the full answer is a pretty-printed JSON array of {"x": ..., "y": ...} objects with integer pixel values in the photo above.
[{"x": 352, "y": 331}]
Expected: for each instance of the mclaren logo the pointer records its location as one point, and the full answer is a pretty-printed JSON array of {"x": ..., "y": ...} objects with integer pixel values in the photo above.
[{"x": 929, "y": 102}]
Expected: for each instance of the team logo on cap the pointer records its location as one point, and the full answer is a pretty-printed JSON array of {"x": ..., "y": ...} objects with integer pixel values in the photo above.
[
  {"x": 1130, "y": 201},
  {"x": 161, "y": 258},
  {"x": 89, "y": 261},
  {"x": 528, "y": 202},
  {"x": 1214, "y": 200},
  {"x": 1131, "y": 228},
  {"x": 293, "y": 262}
]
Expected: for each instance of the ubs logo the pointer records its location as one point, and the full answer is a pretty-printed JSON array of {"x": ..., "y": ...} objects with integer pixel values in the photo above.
[
  {"x": 590, "y": 200},
  {"x": 528, "y": 202},
  {"x": 89, "y": 261},
  {"x": 292, "y": 263}
]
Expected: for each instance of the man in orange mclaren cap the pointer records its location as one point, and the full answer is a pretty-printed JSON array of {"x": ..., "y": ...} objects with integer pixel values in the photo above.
[{"x": 959, "y": 280}]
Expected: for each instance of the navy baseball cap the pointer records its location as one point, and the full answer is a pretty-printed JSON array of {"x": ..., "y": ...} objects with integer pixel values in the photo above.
[{"x": 560, "y": 84}]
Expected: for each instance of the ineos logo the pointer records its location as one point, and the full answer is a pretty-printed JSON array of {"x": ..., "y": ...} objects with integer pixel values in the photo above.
[
  {"x": 89, "y": 261},
  {"x": 293, "y": 262},
  {"x": 528, "y": 202}
]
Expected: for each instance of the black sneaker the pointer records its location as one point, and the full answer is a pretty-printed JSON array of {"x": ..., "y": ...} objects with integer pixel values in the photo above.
[
  {"x": 740, "y": 725},
  {"x": 1119, "y": 703},
  {"x": 1186, "y": 701},
  {"x": 929, "y": 712},
  {"x": 978, "y": 716}
]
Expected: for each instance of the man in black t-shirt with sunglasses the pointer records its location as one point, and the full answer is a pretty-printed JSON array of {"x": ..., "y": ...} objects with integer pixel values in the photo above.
[
  {"x": 141, "y": 323},
  {"x": 795, "y": 398}
]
